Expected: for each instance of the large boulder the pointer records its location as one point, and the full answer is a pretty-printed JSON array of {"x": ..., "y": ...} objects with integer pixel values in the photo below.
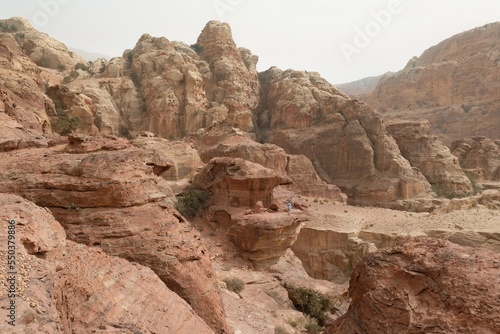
[{"x": 424, "y": 285}]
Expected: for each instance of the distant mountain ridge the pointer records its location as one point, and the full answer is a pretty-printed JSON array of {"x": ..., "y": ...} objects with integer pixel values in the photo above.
[
  {"x": 361, "y": 86},
  {"x": 89, "y": 56},
  {"x": 454, "y": 84}
]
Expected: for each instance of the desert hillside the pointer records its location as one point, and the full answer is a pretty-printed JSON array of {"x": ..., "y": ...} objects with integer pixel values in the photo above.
[
  {"x": 454, "y": 85},
  {"x": 176, "y": 189}
]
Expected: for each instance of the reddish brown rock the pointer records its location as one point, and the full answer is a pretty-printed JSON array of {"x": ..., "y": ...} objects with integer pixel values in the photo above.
[
  {"x": 298, "y": 169},
  {"x": 43, "y": 50},
  {"x": 237, "y": 182},
  {"x": 453, "y": 84},
  {"x": 234, "y": 85},
  {"x": 424, "y": 285},
  {"x": 64, "y": 287},
  {"x": 346, "y": 140},
  {"x": 113, "y": 198},
  {"x": 264, "y": 238},
  {"x": 24, "y": 109},
  {"x": 479, "y": 156},
  {"x": 434, "y": 159}
]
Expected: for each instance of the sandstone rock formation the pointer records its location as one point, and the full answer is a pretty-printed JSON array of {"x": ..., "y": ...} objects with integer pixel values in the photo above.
[
  {"x": 112, "y": 198},
  {"x": 298, "y": 169},
  {"x": 263, "y": 239},
  {"x": 44, "y": 50},
  {"x": 479, "y": 156},
  {"x": 64, "y": 287},
  {"x": 236, "y": 182},
  {"x": 24, "y": 110},
  {"x": 453, "y": 84},
  {"x": 431, "y": 157},
  {"x": 345, "y": 139},
  {"x": 330, "y": 255},
  {"x": 424, "y": 285}
]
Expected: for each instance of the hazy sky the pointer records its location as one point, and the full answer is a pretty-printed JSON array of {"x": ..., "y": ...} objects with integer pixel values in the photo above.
[{"x": 344, "y": 40}]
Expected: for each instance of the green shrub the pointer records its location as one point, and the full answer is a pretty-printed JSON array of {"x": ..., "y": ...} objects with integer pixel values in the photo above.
[
  {"x": 82, "y": 67},
  {"x": 280, "y": 330},
  {"x": 197, "y": 48},
  {"x": 234, "y": 284},
  {"x": 313, "y": 327},
  {"x": 311, "y": 303},
  {"x": 191, "y": 201}
]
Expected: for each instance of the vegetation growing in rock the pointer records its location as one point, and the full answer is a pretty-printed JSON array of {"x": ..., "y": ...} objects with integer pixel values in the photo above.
[
  {"x": 191, "y": 201},
  {"x": 197, "y": 48},
  {"x": 311, "y": 303},
  {"x": 234, "y": 284}
]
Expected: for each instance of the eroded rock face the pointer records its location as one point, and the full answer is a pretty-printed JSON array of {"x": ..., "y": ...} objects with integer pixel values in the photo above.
[
  {"x": 345, "y": 139},
  {"x": 105, "y": 193},
  {"x": 43, "y": 50},
  {"x": 234, "y": 84},
  {"x": 237, "y": 182},
  {"x": 424, "y": 285},
  {"x": 479, "y": 156},
  {"x": 64, "y": 287},
  {"x": 431, "y": 157},
  {"x": 263, "y": 239},
  {"x": 330, "y": 255},
  {"x": 24, "y": 109},
  {"x": 452, "y": 84},
  {"x": 296, "y": 168}
]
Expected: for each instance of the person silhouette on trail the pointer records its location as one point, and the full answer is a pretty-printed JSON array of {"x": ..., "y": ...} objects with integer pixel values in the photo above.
[{"x": 289, "y": 206}]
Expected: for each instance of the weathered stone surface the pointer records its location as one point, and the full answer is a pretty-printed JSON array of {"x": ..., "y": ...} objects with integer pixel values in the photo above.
[
  {"x": 329, "y": 254},
  {"x": 479, "y": 156},
  {"x": 297, "y": 168},
  {"x": 234, "y": 84},
  {"x": 65, "y": 287},
  {"x": 115, "y": 200},
  {"x": 453, "y": 84},
  {"x": 345, "y": 139},
  {"x": 264, "y": 238},
  {"x": 424, "y": 285},
  {"x": 237, "y": 182},
  {"x": 183, "y": 158},
  {"x": 44, "y": 50},
  {"x": 431, "y": 157},
  {"x": 24, "y": 110}
]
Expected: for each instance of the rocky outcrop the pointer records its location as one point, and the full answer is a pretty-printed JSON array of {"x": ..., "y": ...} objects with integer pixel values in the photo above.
[
  {"x": 43, "y": 50},
  {"x": 185, "y": 91},
  {"x": 113, "y": 198},
  {"x": 298, "y": 169},
  {"x": 345, "y": 139},
  {"x": 359, "y": 87},
  {"x": 479, "y": 156},
  {"x": 424, "y": 285},
  {"x": 234, "y": 85},
  {"x": 264, "y": 238},
  {"x": 25, "y": 111},
  {"x": 431, "y": 157},
  {"x": 452, "y": 84},
  {"x": 330, "y": 255},
  {"x": 237, "y": 182},
  {"x": 64, "y": 287}
]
